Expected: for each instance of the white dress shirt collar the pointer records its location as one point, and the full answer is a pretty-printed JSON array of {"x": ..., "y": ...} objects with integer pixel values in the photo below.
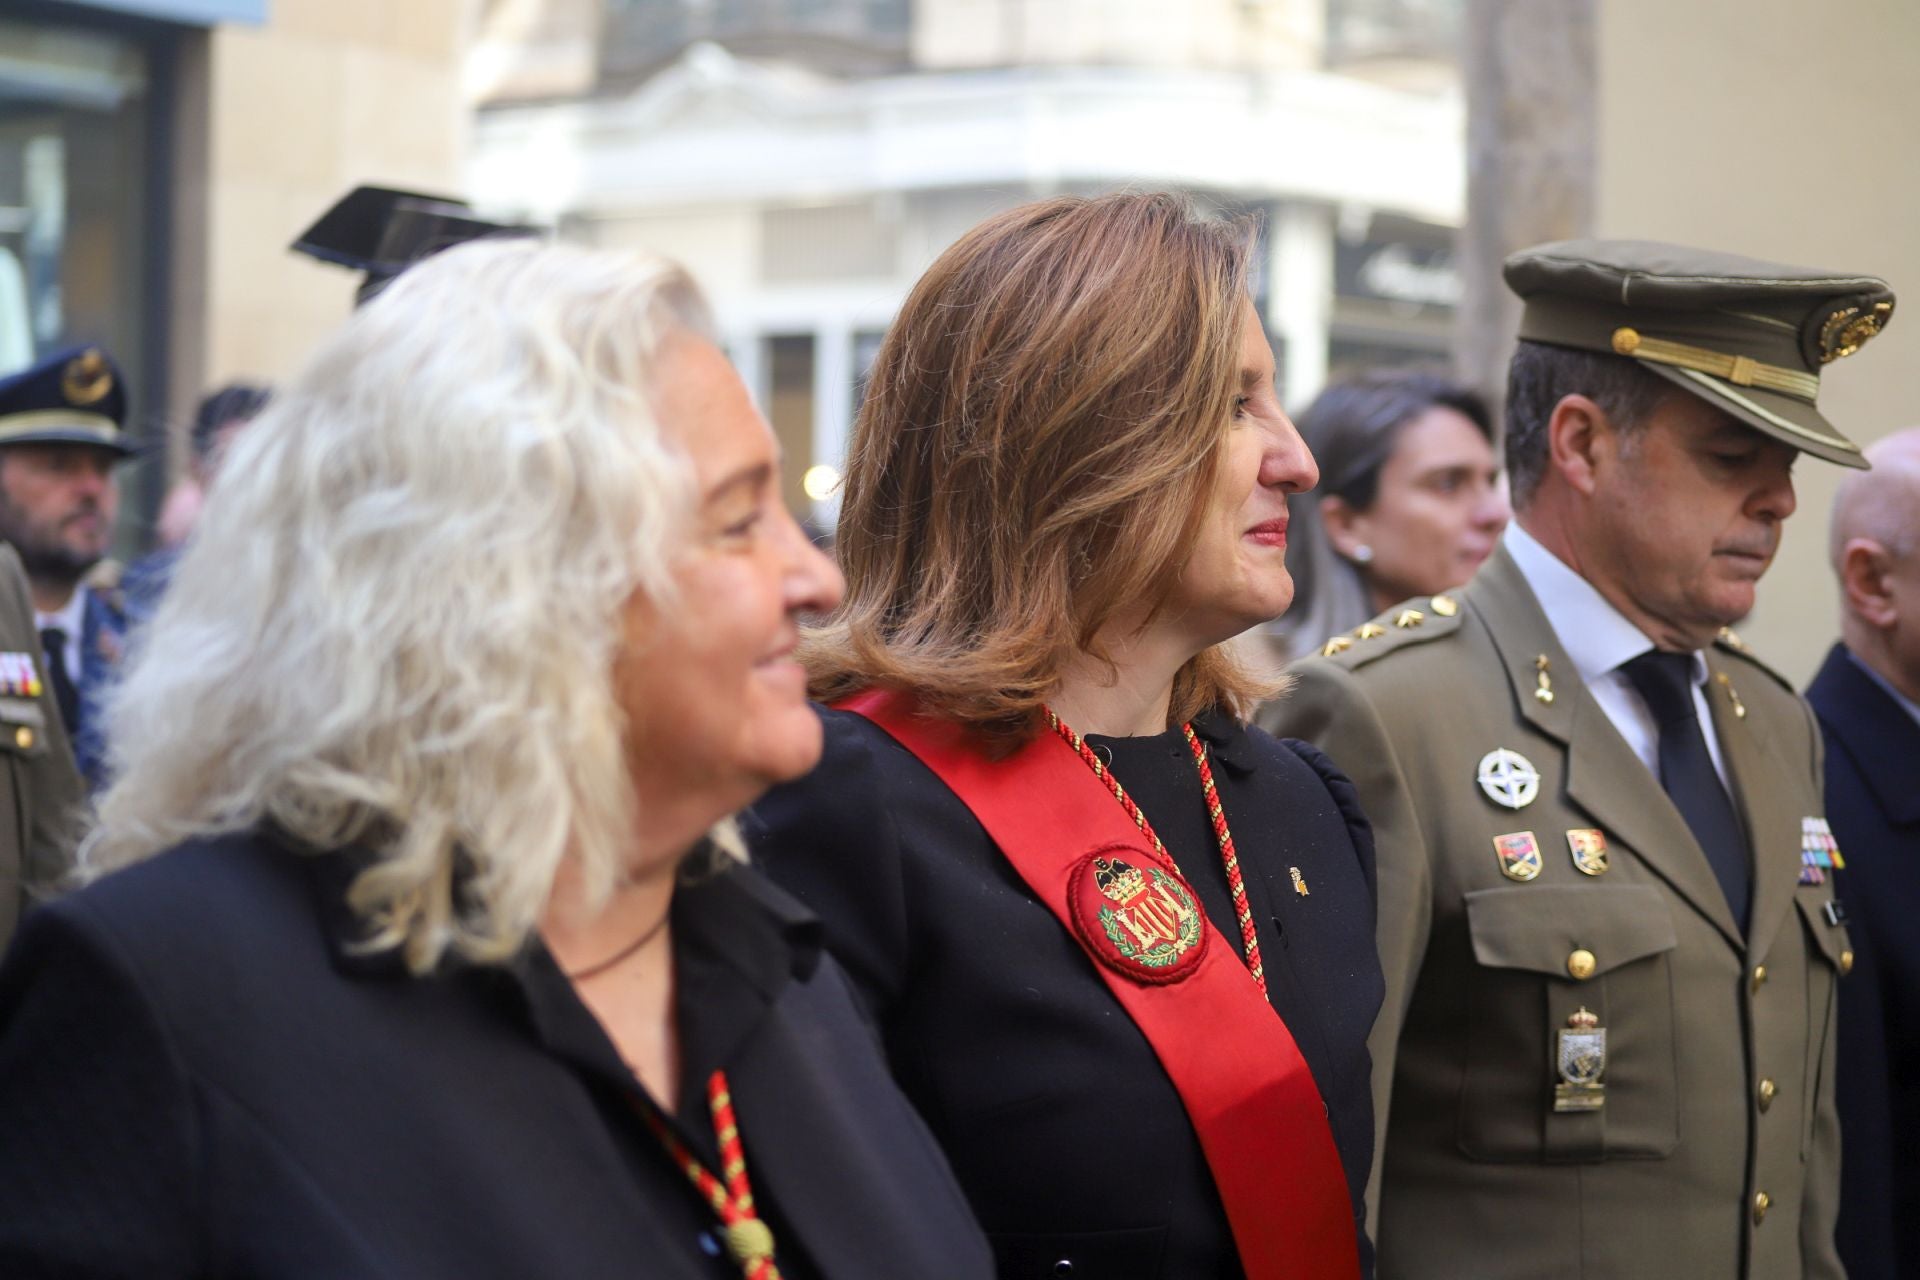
[
  {"x": 71, "y": 618},
  {"x": 1597, "y": 637}
]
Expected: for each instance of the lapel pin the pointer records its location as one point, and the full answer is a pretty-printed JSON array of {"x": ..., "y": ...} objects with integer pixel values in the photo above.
[
  {"x": 1299, "y": 881},
  {"x": 1733, "y": 696},
  {"x": 1544, "y": 689}
]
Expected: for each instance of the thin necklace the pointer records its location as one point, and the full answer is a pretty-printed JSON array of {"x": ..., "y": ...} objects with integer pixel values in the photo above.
[
  {"x": 1236, "y": 884},
  {"x": 592, "y": 970}
]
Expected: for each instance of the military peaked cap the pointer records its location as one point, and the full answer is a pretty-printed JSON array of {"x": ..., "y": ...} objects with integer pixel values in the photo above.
[
  {"x": 75, "y": 396},
  {"x": 1746, "y": 336}
]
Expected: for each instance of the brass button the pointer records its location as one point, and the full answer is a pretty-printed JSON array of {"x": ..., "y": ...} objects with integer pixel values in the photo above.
[
  {"x": 1846, "y": 962},
  {"x": 1767, "y": 1089},
  {"x": 1759, "y": 976},
  {"x": 1761, "y": 1203},
  {"x": 1444, "y": 606},
  {"x": 1581, "y": 964},
  {"x": 23, "y": 738}
]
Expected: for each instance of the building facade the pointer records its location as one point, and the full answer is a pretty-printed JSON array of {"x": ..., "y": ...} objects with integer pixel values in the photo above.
[
  {"x": 808, "y": 160},
  {"x": 157, "y": 157}
]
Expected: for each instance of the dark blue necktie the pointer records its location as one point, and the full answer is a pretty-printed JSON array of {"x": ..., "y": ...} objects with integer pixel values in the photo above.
[
  {"x": 53, "y": 642},
  {"x": 1665, "y": 680}
]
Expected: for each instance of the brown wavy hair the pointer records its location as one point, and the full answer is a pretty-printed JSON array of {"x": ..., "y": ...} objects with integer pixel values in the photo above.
[{"x": 1038, "y": 447}]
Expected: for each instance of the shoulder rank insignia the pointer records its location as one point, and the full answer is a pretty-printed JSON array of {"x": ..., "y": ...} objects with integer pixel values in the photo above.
[
  {"x": 1136, "y": 915},
  {"x": 1519, "y": 854},
  {"x": 1818, "y": 852}
]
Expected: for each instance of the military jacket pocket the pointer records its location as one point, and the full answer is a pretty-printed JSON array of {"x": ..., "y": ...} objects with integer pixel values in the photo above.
[
  {"x": 1544, "y": 953},
  {"x": 23, "y": 729}
]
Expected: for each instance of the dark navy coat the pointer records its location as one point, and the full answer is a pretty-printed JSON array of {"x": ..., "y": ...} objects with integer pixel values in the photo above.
[
  {"x": 1873, "y": 805},
  {"x": 200, "y": 1076}
]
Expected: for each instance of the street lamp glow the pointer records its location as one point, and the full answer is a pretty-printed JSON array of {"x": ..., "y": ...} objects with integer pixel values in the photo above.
[{"x": 820, "y": 482}]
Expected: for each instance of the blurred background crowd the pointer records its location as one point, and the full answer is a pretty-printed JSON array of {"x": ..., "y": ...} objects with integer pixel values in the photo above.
[{"x": 807, "y": 158}]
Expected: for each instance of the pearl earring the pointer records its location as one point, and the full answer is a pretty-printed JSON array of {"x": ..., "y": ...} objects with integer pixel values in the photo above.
[{"x": 1362, "y": 554}]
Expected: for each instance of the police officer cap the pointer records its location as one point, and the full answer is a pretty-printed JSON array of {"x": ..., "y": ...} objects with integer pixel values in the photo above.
[
  {"x": 75, "y": 396},
  {"x": 382, "y": 231},
  {"x": 1746, "y": 336}
]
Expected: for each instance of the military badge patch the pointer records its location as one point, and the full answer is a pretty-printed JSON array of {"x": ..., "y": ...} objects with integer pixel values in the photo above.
[
  {"x": 1818, "y": 852},
  {"x": 1136, "y": 916},
  {"x": 1589, "y": 849},
  {"x": 1508, "y": 778},
  {"x": 19, "y": 678},
  {"x": 1581, "y": 1055},
  {"x": 1519, "y": 854}
]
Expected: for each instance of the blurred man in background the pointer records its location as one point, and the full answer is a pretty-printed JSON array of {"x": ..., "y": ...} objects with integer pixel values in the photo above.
[
  {"x": 221, "y": 415},
  {"x": 1867, "y": 696},
  {"x": 60, "y": 438}
]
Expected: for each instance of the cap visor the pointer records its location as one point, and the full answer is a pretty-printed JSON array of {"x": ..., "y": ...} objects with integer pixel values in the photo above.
[
  {"x": 1790, "y": 421},
  {"x": 111, "y": 442}
]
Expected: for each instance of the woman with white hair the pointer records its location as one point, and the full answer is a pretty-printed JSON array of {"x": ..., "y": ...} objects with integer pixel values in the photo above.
[{"x": 416, "y": 942}]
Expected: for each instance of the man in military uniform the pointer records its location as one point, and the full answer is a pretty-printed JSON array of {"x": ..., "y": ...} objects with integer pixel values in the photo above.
[
  {"x": 60, "y": 439},
  {"x": 1606, "y": 881},
  {"x": 40, "y": 790}
]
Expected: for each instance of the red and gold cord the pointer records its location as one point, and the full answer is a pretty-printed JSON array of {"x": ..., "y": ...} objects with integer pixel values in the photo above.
[
  {"x": 749, "y": 1239},
  {"x": 1229, "y": 858}
]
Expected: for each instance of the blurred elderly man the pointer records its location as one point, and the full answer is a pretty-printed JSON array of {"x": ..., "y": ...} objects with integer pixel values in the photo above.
[
  {"x": 60, "y": 439},
  {"x": 1611, "y": 957},
  {"x": 1868, "y": 699}
]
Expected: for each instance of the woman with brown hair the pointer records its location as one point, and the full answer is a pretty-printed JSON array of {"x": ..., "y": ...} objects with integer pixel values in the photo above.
[{"x": 1119, "y": 946}]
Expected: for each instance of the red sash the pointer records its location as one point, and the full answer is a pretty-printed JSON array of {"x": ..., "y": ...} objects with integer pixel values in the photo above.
[{"x": 1246, "y": 1089}]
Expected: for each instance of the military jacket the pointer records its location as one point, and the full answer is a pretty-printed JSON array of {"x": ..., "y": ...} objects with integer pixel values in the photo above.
[
  {"x": 40, "y": 791},
  {"x": 1709, "y": 1145}
]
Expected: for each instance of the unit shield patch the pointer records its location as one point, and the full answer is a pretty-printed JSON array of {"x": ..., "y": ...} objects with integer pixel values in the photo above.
[{"x": 1519, "y": 854}]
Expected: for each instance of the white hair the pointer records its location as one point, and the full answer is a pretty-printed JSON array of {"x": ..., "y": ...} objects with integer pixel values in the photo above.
[{"x": 397, "y": 620}]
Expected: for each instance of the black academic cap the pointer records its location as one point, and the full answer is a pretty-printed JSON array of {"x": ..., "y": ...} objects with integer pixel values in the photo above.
[{"x": 382, "y": 231}]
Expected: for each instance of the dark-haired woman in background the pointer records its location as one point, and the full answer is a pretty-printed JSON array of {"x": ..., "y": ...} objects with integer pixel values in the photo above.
[{"x": 1410, "y": 502}]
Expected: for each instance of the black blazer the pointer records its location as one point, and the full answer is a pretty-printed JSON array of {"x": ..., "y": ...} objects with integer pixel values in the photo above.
[
  {"x": 1873, "y": 804},
  {"x": 1061, "y": 1124},
  {"x": 200, "y": 1077}
]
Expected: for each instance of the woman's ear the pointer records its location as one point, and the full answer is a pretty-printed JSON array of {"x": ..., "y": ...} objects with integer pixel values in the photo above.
[{"x": 1347, "y": 529}]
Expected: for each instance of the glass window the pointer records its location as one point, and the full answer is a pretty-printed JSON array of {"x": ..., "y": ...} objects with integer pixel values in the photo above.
[
  {"x": 73, "y": 150},
  {"x": 789, "y": 368},
  {"x": 76, "y": 120}
]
